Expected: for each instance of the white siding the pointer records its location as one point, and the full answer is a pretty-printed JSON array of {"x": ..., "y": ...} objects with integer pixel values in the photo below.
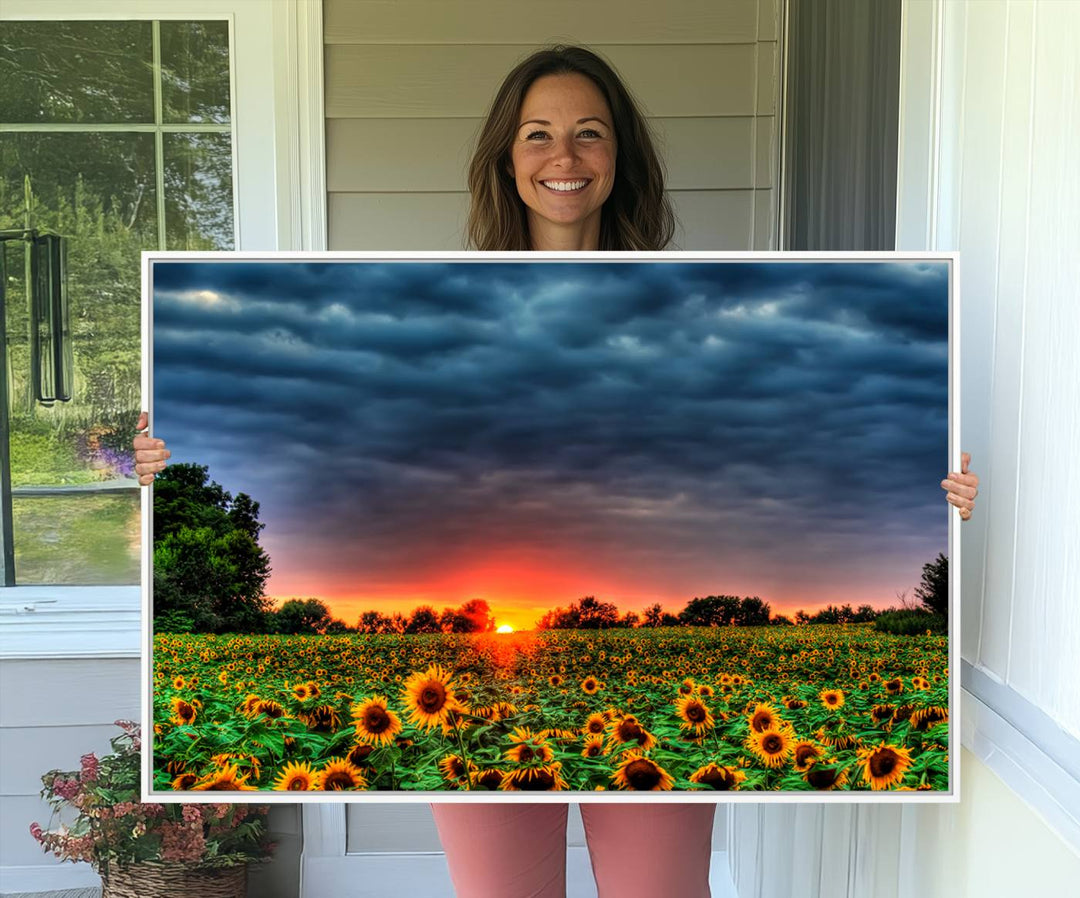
[{"x": 408, "y": 83}]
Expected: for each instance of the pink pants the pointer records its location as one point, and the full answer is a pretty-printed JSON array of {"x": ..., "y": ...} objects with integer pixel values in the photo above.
[{"x": 519, "y": 850}]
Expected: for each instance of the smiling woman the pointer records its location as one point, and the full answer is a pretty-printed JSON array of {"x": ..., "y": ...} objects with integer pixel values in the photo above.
[{"x": 561, "y": 117}]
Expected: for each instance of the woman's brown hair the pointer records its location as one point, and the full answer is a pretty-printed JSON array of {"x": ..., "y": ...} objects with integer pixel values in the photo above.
[{"x": 637, "y": 214}]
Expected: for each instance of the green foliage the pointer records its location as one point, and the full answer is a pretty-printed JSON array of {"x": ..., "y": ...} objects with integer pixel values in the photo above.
[
  {"x": 208, "y": 564},
  {"x": 298, "y": 616},
  {"x": 911, "y": 623},
  {"x": 933, "y": 590}
]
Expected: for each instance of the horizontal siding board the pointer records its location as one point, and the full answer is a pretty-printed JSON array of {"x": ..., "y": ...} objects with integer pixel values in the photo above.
[
  {"x": 390, "y": 827},
  {"x": 713, "y": 219},
  {"x": 28, "y": 752},
  {"x": 432, "y": 154},
  {"x": 518, "y": 22},
  {"x": 69, "y": 692},
  {"x": 17, "y": 846},
  {"x": 397, "y": 221},
  {"x": 374, "y": 81}
]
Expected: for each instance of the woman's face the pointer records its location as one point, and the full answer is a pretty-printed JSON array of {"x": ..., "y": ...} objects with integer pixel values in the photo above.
[{"x": 563, "y": 158}]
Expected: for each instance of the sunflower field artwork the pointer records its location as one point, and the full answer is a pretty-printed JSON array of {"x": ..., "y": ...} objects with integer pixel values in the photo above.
[{"x": 502, "y": 526}]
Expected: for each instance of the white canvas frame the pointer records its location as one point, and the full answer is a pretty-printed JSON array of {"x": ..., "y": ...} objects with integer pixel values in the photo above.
[{"x": 328, "y": 824}]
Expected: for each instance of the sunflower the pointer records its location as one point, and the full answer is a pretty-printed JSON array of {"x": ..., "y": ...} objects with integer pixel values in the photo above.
[
  {"x": 184, "y": 712},
  {"x": 764, "y": 717},
  {"x": 455, "y": 718},
  {"x": 686, "y": 687},
  {"x": 534, "y": 779},
  {"x": 224, "y": 779},
  {"x": 825, "y": 776},
  {"x": 268, "y": 707},
  {"x": 885, "y": 765},
  {"x": 772, "y": 747},
  {"x": 456, "y": 771},
  {"x": 338, "y": 774},
  {"x": 594, "y": 747},
  {"x": 323, "y": 719},
  {"x": 630, "y": 730},
  {"x": 530, "y": 747},
  {"x": 590, "y": 685},
  {"x": 894, "y": 686},
  {"x": 358, "y": 755},
  {"x": 374, "y": 721},
  {"x": 178, "y": 682},
  {"x": 705, "y": 691},
  {"x": 836, "y": 739},
  {"x": 695, "y": 714},
  {"x": 793, "y": 704},
  {"x": 882, "y": 714},
  {"x": 300, "y": 692},
  {"x": 429, "y": 697},
  {"x": 184, "y": 781},
  {"x": 920, "y": 683},
  {"x": 805, "y": 753},
  {"x": 555, "y": 680},
  {"x": 832, "y": 698},
  {"x": 595, "y": 725},
  {"x": 489, "y": 778},
  {"x": 642, "y": 774},
  {"x": 719, "y": 777},
  {"x": 925, "y": 718},
  {"x": 296, "y": 776}
]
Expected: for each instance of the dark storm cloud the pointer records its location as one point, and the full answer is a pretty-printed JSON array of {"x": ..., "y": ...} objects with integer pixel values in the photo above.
[{"x": 451, "y": 401}]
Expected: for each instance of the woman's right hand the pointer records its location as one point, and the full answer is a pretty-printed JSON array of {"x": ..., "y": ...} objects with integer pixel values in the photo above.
[{"x": 150, "y": 454}]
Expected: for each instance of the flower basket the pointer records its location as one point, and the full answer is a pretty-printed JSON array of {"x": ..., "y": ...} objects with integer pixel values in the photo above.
[{"x": 173, "y": 880}]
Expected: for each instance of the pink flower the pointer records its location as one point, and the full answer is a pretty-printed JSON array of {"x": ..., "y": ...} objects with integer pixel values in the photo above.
[
  {"x": 89, "y": 768},
  {"x": 36, "y": 831},
  {"x": 65, "y": 788},
  {"x": 192, "y": 813}
]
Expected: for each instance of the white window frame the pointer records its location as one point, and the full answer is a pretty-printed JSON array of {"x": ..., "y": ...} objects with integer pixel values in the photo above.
[{"x": 280, "y": 203}]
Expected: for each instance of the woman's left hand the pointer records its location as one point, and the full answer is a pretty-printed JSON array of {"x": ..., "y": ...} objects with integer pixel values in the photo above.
[{"x": 962, "y": 488}]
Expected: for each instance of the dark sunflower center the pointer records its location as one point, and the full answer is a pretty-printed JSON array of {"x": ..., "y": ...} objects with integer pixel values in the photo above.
[
  {"x": 541, "y": 781},
  {"x": 376, "y": 720},
  {"x": 772, "y": 744},
  {"x": 718, "y": 779},
  {"x": 804, "y": 753},
  {"x": 642, "y": 774},
  {"x": 297, "y": 784},
  {"x": 821, "y": 778},
  {"x": 761, "y": 722},
  {"x": 525, "y": 753},
  {"x": 337, "y": 781},
  {"x": 883, "y": 763},
  {"x": 695, "y": 713},
  {"x": 432, "y": 697}
]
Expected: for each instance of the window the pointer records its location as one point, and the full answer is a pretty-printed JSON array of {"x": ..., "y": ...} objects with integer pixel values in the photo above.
[{"x": 117, "y": 136}]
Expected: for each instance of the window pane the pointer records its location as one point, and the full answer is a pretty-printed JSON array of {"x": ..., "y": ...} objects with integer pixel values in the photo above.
[
  {"x": 76, "y": 72},
  {"x": 198, "y": 192},
  {"x": 98, "y": 191},
  {"x": 79, "y": 540},
  {"x": 195, "y": 71}
]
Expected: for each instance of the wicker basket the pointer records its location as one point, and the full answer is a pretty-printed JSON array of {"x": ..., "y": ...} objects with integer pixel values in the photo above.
[{"x": 154, "y": 880}]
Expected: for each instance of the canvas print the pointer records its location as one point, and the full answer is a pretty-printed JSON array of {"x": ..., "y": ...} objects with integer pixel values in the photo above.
[{"x": 504, "y": 526}]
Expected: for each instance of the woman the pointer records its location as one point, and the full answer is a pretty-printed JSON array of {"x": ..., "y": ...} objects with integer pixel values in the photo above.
[{"x": 565, "y": 162}]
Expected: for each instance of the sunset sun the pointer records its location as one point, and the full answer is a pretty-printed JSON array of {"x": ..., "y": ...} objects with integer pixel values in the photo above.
[{"x": 504, "y": 628}]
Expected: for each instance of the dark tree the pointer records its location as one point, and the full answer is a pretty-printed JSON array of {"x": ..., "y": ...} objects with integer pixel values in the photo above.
[
  {"x": 653, "y": 614},
  {"x": 424, "y": 619},
  {"x": 209, "y": 569},
  {"x": 596, "y": 615},
  {"x": 630, "y": 620},
  {"x": 298, "y": 616},
  {"x": 933, "y": 590}
]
